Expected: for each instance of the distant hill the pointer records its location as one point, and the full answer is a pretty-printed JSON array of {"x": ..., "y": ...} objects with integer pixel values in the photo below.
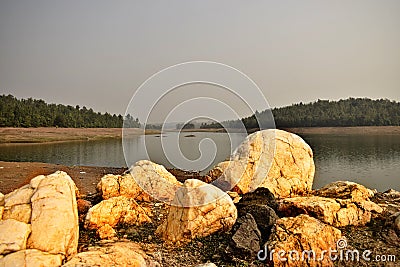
[
  {"x": 37, "y": 113},
  {"x": 324, "y": 113}
]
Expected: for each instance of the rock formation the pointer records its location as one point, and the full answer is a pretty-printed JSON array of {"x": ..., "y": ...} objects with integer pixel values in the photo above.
[
  {"x": 145, "y": 180},
  {"x": 39, "y": 225},
  {"x": 297, "y": 236},
  {"x": 115, "y": 211},
  {"x": 186, "y": 222},
  {"x": 338, "y": 204},
  {"x": 110, "y": 254},
  {"x": 274, "y": 159}
]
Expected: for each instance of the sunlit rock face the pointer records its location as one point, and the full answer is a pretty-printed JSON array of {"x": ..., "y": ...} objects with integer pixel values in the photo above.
[
  {"x": 186, "y": 221},
  {"x": 274, "y": 159}
]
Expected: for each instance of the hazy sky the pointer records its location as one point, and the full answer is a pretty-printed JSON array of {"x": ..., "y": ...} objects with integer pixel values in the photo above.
[{"x": 96, "y": 53}]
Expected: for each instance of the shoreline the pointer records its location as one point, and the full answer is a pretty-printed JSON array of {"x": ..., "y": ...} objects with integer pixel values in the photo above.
[{"x": 21, "y": 136}]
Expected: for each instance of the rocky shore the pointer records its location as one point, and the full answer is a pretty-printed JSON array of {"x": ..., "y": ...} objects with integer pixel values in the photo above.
[{"x": 50, "y": 221}]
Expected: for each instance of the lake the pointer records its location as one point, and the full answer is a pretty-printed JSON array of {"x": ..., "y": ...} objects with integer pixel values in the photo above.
[{"x": 372, "y": 160}]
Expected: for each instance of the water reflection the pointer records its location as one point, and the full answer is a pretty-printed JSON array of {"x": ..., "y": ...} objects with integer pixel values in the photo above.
[{"x": 370, "y": 160}]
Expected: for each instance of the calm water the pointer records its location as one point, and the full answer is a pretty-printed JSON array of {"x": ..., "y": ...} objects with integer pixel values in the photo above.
[{"x": 370, "y": 160}]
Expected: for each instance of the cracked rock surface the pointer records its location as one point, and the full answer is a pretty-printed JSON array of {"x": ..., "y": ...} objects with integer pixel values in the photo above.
[
  {"x": 14, "y": 235},
  {"x": 287, "y": 172},
  {"x": 114, "y": 211},
  {"x": 338, "y": 204},
  {"x": 145, "y": 179},
  {"x": 40, "y": 222},
  {"x": 110, "y": 254},
  {"x": 31, "y": 258},
  {"x": 186, "y": 222},
  {"x": 302, "y": 233},
  {"x": 54, "y": 218}
]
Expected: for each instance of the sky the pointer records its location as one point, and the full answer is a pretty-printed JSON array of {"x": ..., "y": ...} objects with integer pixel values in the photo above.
[{"x": 97, "y": 53}]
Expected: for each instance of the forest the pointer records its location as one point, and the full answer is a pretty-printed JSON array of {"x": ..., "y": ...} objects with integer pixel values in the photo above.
[
  {"x": 37, "y": 113},
  {"x": 321, "y": 113},
  {"x": 326, "y": 113}
]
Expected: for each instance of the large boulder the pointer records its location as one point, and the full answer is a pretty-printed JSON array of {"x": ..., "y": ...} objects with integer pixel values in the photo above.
[
  {"x": 112, "y": 185},
  {"x": 301, "y": 238},
  {"x": 187, "y": 220},
  {"x": 31, "y": 258},
  {"x": 144, "y": 181},
  {"x": 274, "y": 159},
  {"x": 115, "y": 211},
  {"x": 13, "y": 235},
  {"x": 338, "y": 204},
  {"x": 54, "y": 218},
  {"x": 111, "y": 254}
]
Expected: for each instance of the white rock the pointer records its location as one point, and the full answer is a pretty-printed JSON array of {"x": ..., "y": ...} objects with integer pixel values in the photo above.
[
  {"x": 186, "y": 220},
  {"x": 55, "y": 216},
  {"x": 274, "y": 159},
  {"x": 13, "y": 235},
  {"x": 19, "y": 196},
  {"x": 20, "y": 213},
  {"x": 31, "y": 258}
]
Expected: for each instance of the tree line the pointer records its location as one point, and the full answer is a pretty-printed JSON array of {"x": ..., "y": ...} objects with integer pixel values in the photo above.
[
  {"x": 37, "y": 113},
  {"x": 325, "y": 113}
]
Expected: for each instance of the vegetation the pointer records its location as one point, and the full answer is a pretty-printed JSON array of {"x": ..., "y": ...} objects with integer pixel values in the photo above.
[
  {"x": 37, "y": 113},
  {"x": 324, "y": 113}
]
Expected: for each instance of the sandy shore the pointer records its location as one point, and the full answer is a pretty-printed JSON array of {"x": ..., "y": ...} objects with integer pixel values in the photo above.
[
  {"x": 16, "y": 174},
  {"x": 53, "y": 134}
]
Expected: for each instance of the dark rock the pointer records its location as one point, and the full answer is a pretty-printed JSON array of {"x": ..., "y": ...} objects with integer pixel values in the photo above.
[
  {"x": 397, "y": 223},
  {"x": 246, "y": 239},
  {"x": 260, "y": 196},
  {"x": 264, "y": 216}
]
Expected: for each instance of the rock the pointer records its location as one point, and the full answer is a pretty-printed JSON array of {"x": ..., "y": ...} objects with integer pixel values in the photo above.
[
  {"x": 111, "y": 254},
  {"x": 1, "y": 212},
  {"x": 336, "y": 212},
  {"x": 338, "y": 204},
  {"x": 392, "y": 193},
  {"x": 186, "y": 222},
  {"x": 20, "y": 213},
  {"x": 206, "y": 265},
  {"x": 155, "y": 180},
  {"x": 31, "y": 258},
  {"x": 264, "y": 216},
  {"x": 106, "y": 232},
  {"x": 345, "y": 190},
  {"x": 19, "y": 196},
  {"x": 83, "y": 208},
  {"x": 234, "y": 196},
  {"x": 121, "y": 185},
  {"x": 397, "y": 223},
  {"x": 301, "y": 233},
  {"x": 13, "y": 235},
  {"x": 246, "y": 239},
  {"x": 55, "y": 215},
  {"x": 17, "y": 204},
  {"x": 2, "y": 198},
  {"x": 144, "y": 180},
  {"x": 115, "y": 211},
  {"x": 274, "y": 159},
  {"x": 34, "y": 183},
  {"x": 260, "y": 196}
]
